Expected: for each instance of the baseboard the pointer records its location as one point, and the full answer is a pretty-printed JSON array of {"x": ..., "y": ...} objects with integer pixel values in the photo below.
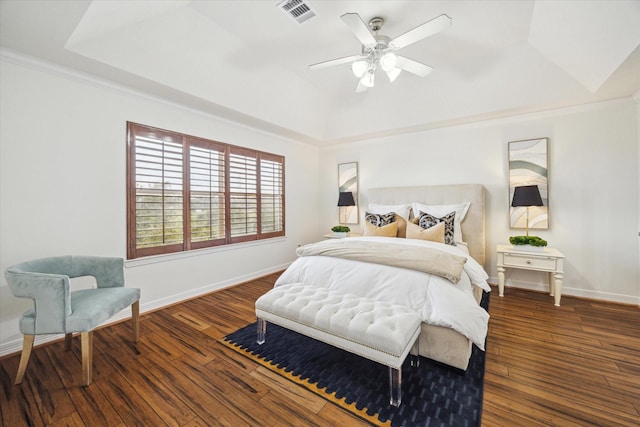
[
  {"x": 15, "y": 346},
  {"x": 574, "y": 292}
]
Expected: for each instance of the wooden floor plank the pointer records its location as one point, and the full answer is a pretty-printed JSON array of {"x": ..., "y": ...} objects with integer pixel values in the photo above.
[
  {"x": 92, "y": 405},
  {"x": 306, "y": 398},
  {"x": 574, "y": 365}
]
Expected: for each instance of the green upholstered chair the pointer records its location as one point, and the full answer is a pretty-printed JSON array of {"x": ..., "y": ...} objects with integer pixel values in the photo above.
[{"x": 57, "y": 310}]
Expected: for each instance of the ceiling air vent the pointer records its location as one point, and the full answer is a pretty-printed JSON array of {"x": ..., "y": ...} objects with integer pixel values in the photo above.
[{"x": 298, "y": 10}]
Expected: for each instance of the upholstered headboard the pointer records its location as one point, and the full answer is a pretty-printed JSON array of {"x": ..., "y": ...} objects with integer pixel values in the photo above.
[{"x": 473, "y": 224}]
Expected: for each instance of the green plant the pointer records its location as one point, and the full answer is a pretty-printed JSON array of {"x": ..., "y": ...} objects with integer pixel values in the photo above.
[
  {"x": 527, "y": 240},
  {"x": 340, "y": 229}
]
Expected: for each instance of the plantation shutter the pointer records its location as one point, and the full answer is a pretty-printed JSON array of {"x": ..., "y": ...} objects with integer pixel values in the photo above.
[
  {"x": 158, "y": 196},
  {"x": 271, "y": 195},
  {"x": 207, "y": 194},
  {"x": 186, "y": 193},
  {"x": 243, "y": 197}
]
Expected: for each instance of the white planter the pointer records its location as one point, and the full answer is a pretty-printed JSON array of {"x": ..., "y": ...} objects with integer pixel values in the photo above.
[{"x": 340, "y": 235}]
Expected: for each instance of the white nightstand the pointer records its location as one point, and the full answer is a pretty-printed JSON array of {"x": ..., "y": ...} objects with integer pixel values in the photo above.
[
  {"x": 550, "y": 260},
  {"x": 333, "y": 236}
]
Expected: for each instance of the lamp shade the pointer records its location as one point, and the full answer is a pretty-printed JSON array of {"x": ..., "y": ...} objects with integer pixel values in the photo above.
[
  {"x": 346, "y": 199},
  {"x": 526, "y": 195}
]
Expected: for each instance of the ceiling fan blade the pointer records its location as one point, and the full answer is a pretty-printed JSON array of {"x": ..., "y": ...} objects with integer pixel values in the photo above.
[
  {"x": 359, "y": 28},
  {"x": 423, "y": 31},
  {"x": 412, "y": 66},
  {"x": 333, "y": 62}
]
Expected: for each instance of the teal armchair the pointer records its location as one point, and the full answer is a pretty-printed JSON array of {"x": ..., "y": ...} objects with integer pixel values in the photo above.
[{"x": 56, "y": 310}]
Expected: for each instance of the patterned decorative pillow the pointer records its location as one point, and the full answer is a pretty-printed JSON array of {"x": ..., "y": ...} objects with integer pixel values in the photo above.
[
  {"x": 379, "y": 219},
  {"x": 426, "y": 220}
]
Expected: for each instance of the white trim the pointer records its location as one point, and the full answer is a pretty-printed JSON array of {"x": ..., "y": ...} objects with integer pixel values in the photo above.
[
  {"x": 569, "y": 291},
  {"x": 15, "y": 346},
  {"x": 466, "y": 123},
  {"x": 132, "y": 263}
]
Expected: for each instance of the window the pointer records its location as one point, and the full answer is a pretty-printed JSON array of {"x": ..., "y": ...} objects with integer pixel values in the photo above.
[{"x": 189, "y": 193}]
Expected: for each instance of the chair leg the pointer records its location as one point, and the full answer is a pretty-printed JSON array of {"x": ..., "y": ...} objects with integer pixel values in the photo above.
[
  {"x": 27, "y": 346},
  {"x": 135, "y": 312},
  {"x": 67, "y": 341},
  {"x": 87, "y": 356}
]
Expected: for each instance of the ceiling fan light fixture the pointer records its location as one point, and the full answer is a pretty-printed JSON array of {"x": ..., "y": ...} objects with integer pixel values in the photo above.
[
  {"x": 388, "y": 61},
  {"x": 359, "y": 68},
  {"x": 377, "y": 49},
  {"x": 393, "y": 73},
  {"x": 368, "y": 80}
]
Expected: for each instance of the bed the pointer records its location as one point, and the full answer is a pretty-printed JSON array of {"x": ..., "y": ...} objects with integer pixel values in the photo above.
[{"x": 452, "y": 320}]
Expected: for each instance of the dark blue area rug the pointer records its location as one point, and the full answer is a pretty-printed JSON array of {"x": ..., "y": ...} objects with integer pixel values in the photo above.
[{"x": 433, "y": 394}]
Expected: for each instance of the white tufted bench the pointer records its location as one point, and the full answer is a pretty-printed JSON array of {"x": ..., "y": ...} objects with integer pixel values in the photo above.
[{"x": 378, "y": 331}]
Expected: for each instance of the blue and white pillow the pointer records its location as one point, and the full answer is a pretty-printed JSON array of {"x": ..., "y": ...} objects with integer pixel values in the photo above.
[{"x": 379, "y": 220}]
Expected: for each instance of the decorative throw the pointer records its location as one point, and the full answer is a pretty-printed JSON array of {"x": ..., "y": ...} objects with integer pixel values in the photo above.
[{"x": 426, "y": 260}]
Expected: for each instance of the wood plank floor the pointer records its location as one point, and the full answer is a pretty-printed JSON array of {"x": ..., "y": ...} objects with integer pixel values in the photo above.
[{"x": 575, "y": 365}]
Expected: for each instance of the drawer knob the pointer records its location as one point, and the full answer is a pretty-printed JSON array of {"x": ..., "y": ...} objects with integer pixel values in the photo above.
[{"x": 528, "y": 262}]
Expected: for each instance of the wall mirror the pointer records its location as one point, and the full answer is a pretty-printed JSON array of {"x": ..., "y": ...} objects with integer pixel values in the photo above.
[
  {"x": 528, "y": 161},
  {"x": 348, "y": 182}
]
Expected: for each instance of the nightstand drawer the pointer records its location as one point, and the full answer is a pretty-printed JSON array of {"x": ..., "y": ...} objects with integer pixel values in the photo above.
[{"x": 532, "y": 262}]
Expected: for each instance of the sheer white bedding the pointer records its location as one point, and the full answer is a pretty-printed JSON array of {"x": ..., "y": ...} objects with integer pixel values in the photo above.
[{"x": 439, "y": 301}]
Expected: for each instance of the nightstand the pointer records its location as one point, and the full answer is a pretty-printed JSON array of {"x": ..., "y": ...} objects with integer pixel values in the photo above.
[
  {"x": 333, "y": 236},
  {"x": 549, "y": 260}
]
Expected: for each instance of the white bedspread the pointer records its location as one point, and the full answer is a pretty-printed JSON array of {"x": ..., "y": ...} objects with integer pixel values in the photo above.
[{"x": 439, "y": 301}]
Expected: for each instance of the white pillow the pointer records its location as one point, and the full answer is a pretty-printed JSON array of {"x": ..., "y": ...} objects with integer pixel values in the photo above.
[
  {"x": 402, "y": 210},
  {"x": 441, "y": 210}
]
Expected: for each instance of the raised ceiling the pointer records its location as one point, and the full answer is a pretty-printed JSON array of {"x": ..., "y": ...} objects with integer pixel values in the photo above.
[{"x": 248, "y": 61}]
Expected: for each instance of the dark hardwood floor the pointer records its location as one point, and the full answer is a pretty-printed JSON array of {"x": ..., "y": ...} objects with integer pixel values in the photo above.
[{"x": 575, "y": 365}]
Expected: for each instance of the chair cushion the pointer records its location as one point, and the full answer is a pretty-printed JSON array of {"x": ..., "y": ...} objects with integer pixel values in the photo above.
[{"x": 89, "y": 308}]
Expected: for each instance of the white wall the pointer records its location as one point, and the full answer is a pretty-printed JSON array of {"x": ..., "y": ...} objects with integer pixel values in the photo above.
[
  {"x": 63, "y": 186},
  {"x": 593, "y": 184},
  {"x": 636, "y": 97}
]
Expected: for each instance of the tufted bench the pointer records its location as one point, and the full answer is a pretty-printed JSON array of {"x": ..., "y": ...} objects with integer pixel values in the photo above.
[{"x": 378, "y": 331}]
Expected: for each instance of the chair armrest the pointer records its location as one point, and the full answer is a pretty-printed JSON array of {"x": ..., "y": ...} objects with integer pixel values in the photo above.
[
  {"x": 50, "y": 294},
  {"x": 108, "y": 271}
]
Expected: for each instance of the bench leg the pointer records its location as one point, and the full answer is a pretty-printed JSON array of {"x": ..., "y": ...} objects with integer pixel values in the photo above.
[
  {"x": 395, "y": 386},
  {"x": 262, "y": 331},
  {"x": 415, "y": 353}
]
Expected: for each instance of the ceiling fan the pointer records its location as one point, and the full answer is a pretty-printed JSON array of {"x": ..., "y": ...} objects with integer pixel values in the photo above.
[{"x": 378, "y": 50}]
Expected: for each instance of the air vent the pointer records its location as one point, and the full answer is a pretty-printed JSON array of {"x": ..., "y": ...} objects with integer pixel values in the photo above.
[{"x": 298, "y": 10}]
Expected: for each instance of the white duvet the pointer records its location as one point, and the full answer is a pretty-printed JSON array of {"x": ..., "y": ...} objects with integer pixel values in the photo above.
[{"x": 439, "y": 301}]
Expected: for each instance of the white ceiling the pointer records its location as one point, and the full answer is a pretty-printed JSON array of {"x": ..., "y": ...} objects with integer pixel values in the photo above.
[{"x": 248, "y": 61}]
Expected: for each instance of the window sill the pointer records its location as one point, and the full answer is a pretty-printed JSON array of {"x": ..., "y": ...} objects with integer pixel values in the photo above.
[{"x": 138, "y": 262}]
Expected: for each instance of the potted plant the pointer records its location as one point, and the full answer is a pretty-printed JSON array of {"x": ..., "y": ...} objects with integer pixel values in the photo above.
[
  {"x": 531, "y": 243},
  {"x": 340, "y": 230}
]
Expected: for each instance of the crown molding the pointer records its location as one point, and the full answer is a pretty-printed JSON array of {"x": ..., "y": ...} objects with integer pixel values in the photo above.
[
  {"x": 476, "y": 122},
  {"x": 241, "y": 120},
  {"x": 221, "y": 113}
]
